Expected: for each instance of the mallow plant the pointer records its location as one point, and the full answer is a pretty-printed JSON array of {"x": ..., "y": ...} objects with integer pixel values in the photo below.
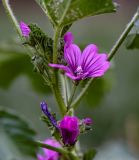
[{"x": 58, "y": 56}]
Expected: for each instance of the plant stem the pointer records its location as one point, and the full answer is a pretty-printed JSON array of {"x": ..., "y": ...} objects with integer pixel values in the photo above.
[
  {"x": 82, "y": 93},
  {"x": 59, "y": 150},
  {"x": 55, "y": 44},
  {"x": 55, "y": 87},
  {"x": 15, "y": 23},
  {"x": 65, "y": 88},
  {"x": 68, "y": 155},
  {"x": 71, "y": 97},
  {"x": 59, "y": 99},
  {"x": 123, "y": 36},
  {"x": 112, "y": 52},
  {"x": 11, "y": 16},
  {"x": 58, "y": 29}
]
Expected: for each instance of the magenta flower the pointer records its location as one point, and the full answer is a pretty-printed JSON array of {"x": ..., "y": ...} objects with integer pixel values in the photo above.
[
  {"x": 49, "y": 154},
  {"x": 69, "y": 128},
  {"x": 88, "y": 64},
  {"x": 24, "y": 29}
]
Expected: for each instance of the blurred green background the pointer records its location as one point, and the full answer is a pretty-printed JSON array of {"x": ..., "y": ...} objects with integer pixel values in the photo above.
[{"x": 115, "y": 131}]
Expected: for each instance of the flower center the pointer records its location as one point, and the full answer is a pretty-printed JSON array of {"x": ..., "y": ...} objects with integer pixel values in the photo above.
[{"x": 79, "y": 71}]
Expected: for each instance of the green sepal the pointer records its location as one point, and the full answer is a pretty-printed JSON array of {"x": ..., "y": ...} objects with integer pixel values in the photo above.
[{"x": 85, "y": 128}]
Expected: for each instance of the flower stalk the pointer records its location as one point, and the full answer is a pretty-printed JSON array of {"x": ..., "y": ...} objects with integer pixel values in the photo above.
[
  {"x": 71, "y": 97},
  {"x": 59, "y": 99},
  {"x": 55, "y": 43}
]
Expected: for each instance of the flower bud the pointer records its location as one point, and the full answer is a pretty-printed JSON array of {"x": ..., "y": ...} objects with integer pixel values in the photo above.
[
  {"x": 25, "y": 29},
  {"x": 45, "y": 110},
  {"x": 87, "y": 121},
  {"x": 69, "y": 128}
]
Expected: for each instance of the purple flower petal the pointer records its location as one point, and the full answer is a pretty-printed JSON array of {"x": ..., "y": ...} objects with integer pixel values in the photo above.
[
  {"x": 72, "y": 55},
  {"x": 49, "y": 153},
  {"x": 24, "y": 29},
  {"x": 88, "y": 55},
  {"x": 72, "y": 76},
  {"x": 59, "y": 66},
  {"x": 40, "y": 157},
  {"x": 100, "y": 72},
  {"x": 68, "y": 38},
  {"x": 98, "y": 65},
  {"x": 66, "y": 69},
  {"x": 97, "y": 60}
]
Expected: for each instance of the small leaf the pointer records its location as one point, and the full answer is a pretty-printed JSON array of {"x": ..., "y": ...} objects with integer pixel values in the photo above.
[
  {"x": 65, "y": 12},
  {"x": 40, "y": 42},
  {"x": 17, "y": 136},
  {"x": 89, "y": 155},
  {"x": 133, "y": 37}
]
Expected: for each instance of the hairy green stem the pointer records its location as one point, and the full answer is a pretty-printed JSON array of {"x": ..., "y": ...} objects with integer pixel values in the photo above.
[
  {"x": 59, "y": 150},
  {"x": 71, "y": 97},
  {"x": 55, "y": 44},
  {"x": 12, "y": 17},
  {"x": 55, "y": 87},
  {"x": 112, "y": 52},
  {"x": 123, "y": 36},
  {"x": 65, "y": 88},
  {"x": 59, "y": 99},
  {"x": 15, "y": 23},
  {"x": 68, "y": 155},
  {"x": 57, "y": 33},
  {"x": 82, "y": 94}
]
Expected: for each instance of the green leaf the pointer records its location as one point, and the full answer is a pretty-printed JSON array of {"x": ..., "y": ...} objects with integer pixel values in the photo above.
[
  {"x": 89, "y": 155},
  {"x": 14, "y": 62},
  {"x": 16, "y": 137},
  {"x": 133, "y": 37},
  {"x": 40, "y": 41},
  {"x": 64, "y": 12}
]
